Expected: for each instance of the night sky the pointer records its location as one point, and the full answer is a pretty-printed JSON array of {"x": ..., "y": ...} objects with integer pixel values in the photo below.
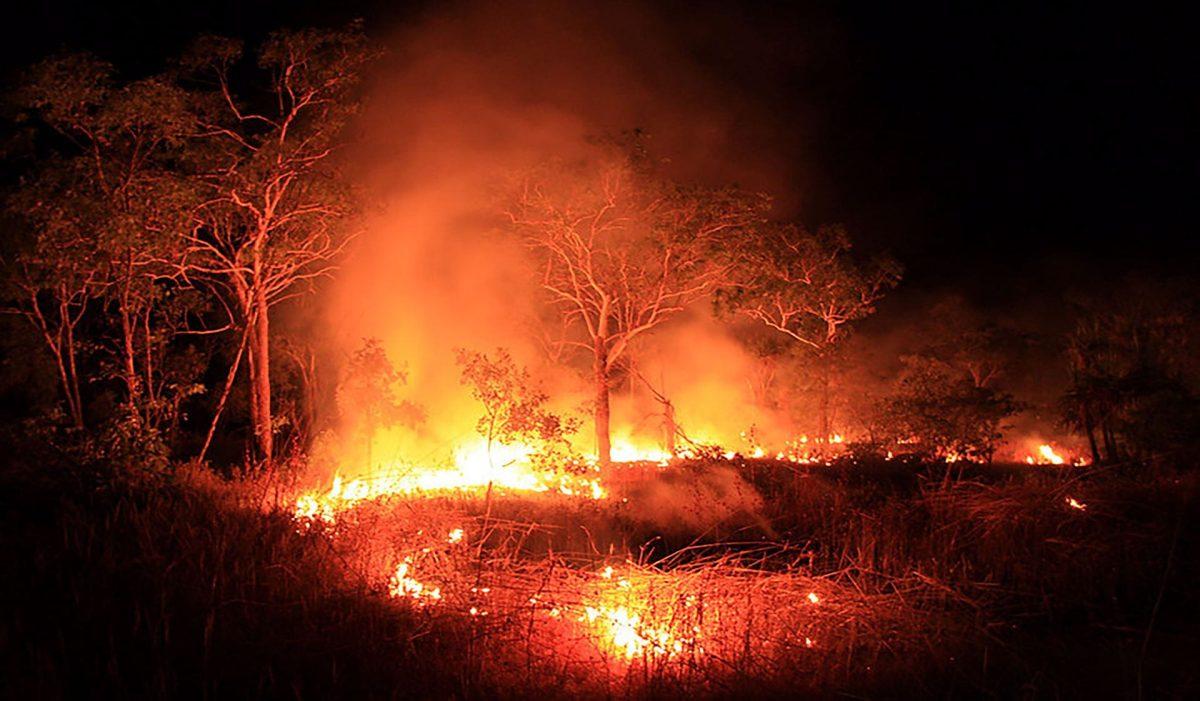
[{"x": 1005, "y": 150}]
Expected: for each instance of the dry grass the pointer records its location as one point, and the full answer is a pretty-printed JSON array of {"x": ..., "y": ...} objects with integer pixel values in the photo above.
[{"x": 868, "y": 587}]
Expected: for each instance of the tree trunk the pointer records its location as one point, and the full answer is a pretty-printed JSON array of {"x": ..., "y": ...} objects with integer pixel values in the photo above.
[
  {"x": 233, "y": 368},
  {"x": 370, "y": 441},
  {"x": 1110, "y": 442},
  {"x": 670, "y": 428},
  {"x": 603, "y": 441},
  {"x": 1090, "y": 430},
  {"x": 824, "y": 401},
  {"x": 65, "y": 381},
  {"x": 260, "y": 377},
  {"x": 72, "y": 373},
  {"x": 129, "y": 355}
]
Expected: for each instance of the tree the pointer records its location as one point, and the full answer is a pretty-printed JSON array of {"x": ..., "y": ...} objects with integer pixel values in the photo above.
[
  {"x": 276, "y": 212},
  {"x": 514, "y": 409},
  {"x": 619, "y": 250},
  {"x": 808, "y": 287},
  {"x": 1132, "y": 357},
  {"x": 368, "y": 391},
  {"x": 941, "y": 408},
  {"x": 107, "y": 213}
]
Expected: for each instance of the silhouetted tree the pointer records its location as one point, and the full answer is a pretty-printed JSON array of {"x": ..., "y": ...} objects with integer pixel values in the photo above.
[
  {"x": 514, "y": 409},
  {"x": 369, "y": 393},
  {"x": 943, "y": 410},
  {"x": 808, "y": 287},
  {"x": 1132, "y": 356},
  {"x": 107, "y": 212},
  {"x": 619, "y": 250}
]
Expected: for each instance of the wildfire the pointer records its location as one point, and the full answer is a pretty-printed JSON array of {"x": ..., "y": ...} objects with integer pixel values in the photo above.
[
  {"x": 1046, "y": 454},
  {"x": 629, "y": 635},
  {"x": 622, "y": 620},
  {"x": 625, "y": 449},
  {"x": 402, "y": 585},
  {"x": 475, "y": 467}
]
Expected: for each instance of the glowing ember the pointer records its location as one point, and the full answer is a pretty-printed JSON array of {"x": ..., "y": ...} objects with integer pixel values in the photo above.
[
  {"x": 813, "y": 598},
  {"x": 1074, "y": 504}
]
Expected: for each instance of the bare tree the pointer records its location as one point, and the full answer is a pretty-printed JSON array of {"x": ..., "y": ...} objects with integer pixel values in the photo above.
[
  {"x": 620, "y": 250},
  {"x": 808, "y": 287},
  {"x": 277, "y": 211}
]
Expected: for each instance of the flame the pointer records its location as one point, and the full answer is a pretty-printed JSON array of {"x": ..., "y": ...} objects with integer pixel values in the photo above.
[
  {"x": 1075, "y": 504},
  {"x": 475, "y": 467},
  {"x": 402, "y": 585},
  {"x": 627, "y": 449},
  {"x": 507, "y": 466},
  {"x": 622, "y": 620},
  {"x": 1046, "y": 454},
  {"x": 629, "y": 635}
]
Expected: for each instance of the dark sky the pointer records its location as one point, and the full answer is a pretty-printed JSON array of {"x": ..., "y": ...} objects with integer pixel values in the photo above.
[{"x": 1007, "y": 150}]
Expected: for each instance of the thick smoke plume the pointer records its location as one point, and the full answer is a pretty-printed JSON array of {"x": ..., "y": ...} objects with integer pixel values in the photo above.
[{"x": 469, "y": 95}]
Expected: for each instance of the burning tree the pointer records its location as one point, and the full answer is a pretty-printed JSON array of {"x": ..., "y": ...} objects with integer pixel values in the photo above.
[
  {"x": 276, "y": 211},
  {"x": 808, "y": 287},
  {"x": 620, "y": 249}
]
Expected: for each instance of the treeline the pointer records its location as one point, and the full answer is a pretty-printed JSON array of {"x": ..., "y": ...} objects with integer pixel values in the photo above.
[{"x": 154, "y": 226}]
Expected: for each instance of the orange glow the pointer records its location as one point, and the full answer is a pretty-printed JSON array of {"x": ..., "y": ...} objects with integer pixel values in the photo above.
[
  {"x": 1047, "y": 454},
  {"x": 402, "y": 585},
  {"x": 629, "y": 621},
  {"x": 505, "y": 467}
]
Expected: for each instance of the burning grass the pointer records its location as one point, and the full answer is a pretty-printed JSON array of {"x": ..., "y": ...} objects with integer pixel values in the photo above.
[{"x": 871, "y": 586}]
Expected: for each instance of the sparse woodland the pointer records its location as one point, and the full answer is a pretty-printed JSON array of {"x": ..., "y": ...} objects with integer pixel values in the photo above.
[{"x": 204, "y": 494}]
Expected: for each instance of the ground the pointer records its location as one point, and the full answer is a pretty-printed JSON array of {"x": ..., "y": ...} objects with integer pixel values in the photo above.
[{"x": 712, "y": 579}]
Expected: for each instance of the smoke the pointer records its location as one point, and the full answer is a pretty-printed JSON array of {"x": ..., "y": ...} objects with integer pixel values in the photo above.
[
  {"x": 470, "y": 93},
  {"x": 695, "y": 501}
]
